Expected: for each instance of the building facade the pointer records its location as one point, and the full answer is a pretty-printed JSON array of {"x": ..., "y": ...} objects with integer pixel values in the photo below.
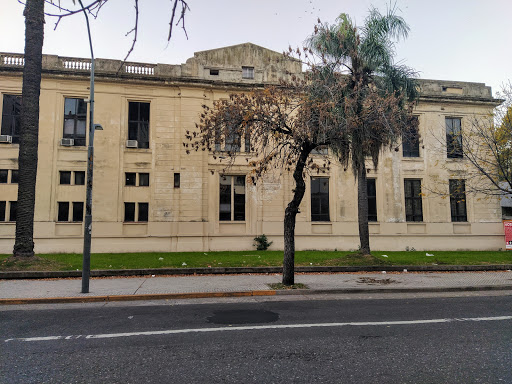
[{"x": 150, "y": 195}]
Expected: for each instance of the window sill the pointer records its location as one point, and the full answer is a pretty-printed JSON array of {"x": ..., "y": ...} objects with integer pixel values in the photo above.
[
  {"x": 419, "y": 158},
  {"x": 73, "y": 148}
]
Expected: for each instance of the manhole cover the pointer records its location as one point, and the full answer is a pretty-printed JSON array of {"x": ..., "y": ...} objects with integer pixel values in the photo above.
[{"x": 243, "y": 317}]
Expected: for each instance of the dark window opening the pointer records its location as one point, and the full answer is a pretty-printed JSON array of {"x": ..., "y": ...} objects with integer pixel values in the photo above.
[
  {"x": 13, "y": 211},
  {"x": 458, "y": 200},
  {"x": 78, "y": 211},
  {"x": 143, "y": 211},
  {"x": 453, "y": 138},
  {"x": 320, "y": 199},
  {"x": 372, "y": 200},
  {"x": 214, "y": 72},
  {"x": 138, "y": 123},
  {"x": 413, "y": 200},
  {"x": 177, "y": 180},
  {"x": 14, "y": 176},
  {"x": 11, "y": 122},
  {"x": 3, "y": 176},
  {"x": 79, "y": 177},
  {"x": 232, "y": 198},
  {"x": 410, "y": 140},
  {"x": 65, "y": 177},
  {"x": 75, "y": 118},
  {"x": 129, "y": 212},
  {"x": 2, "y": 210},
  {"x": 63, "y": 213},
  {"x": 130, "y": 178},
  {"x": 143, "y": 179}
]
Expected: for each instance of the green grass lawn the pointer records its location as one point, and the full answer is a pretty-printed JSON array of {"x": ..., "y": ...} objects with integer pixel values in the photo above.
[{"x": 252, "y": 259}]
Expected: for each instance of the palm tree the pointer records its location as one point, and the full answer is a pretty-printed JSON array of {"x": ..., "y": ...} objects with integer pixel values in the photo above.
[
  {"x": 31, "y": 88},
  {"x": 365, "y": 55}
]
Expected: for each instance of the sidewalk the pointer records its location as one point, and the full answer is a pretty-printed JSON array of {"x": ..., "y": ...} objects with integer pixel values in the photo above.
[{"x": 175, "y": 287}]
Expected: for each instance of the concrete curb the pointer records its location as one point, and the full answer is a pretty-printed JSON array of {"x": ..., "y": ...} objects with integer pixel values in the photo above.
[
  {"x": 246, "y": 270},
  {"x": 204, "y": 295},
  {"x": 157, "y": 296}
]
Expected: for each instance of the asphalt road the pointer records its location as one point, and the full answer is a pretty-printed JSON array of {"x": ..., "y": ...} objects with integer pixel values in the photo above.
[{"x": 407, "y": 340}]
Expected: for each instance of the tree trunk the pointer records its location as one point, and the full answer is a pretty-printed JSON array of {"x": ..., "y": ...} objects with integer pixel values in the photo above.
[
  {"x": 29, "y": 131},
  {"x": 289, "y": 217},
  {"x": 362, "y": 210}
]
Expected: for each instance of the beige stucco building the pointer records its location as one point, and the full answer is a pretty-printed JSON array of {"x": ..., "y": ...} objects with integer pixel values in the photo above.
[{"x": 149, "y": 195}]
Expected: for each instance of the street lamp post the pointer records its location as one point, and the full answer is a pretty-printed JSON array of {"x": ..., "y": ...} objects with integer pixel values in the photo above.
[{"x": 86, "y": 265}]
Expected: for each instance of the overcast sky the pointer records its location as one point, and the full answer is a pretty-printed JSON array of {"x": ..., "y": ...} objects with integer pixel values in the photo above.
[{"x": 465, "y": 40}]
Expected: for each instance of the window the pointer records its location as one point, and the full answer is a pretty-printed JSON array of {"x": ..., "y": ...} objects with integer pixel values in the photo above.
[
  {"x": 247, "y": 72},
  {"x": 13, "y": 210},
  {"x": 214, "y": 72},
  {"x": 413, "y": 200},
  {"x": 143, "y": 179},
  {"x": 130, "y": 212},
  {"x": 177, "y": 180},
  {"x": 11, "y": 215},
  {"x": 14, "y": 176},
  {"x": 232, "y": 198},
  {"x": 79, "y": 177},
  {"x": 453, "y": 138},
  {"x": 320, "y": 199},
  {"x": 4, "y": 176},
  {"x": 65, "y": 177},
  {"x": 138, "y": 123},
  {"x": 458, "y": 200},
  {"x": 75, "y": 118},
  {"x": 130, "y": 178},
  {"x": 133, "y": 179},
  {"x": 410, "y": 140},
  {"x": 77, "y": 214},
  {"x": 372, "y": 200},
  {"x": 78, "y": 211},
  {"x": 11, "y": 111},
  {"x": 233, "y": 140},
  {"x": 63, "y": 212}
]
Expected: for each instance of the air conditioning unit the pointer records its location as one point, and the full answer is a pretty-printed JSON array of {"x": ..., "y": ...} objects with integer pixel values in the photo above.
[
  {"x": 132, "y": 144},
  {"x": 5, "y": 139},
  {"x": 65, "y": 142}
]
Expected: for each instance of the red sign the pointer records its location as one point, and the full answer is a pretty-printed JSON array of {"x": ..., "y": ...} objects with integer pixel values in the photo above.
[{"x": 507, "y": 225}]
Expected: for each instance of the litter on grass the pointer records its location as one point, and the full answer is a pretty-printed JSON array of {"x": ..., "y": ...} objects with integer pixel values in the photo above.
[{"x": 429, "y": 254}]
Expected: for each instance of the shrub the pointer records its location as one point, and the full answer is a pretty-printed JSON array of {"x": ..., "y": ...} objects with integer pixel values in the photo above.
[{"x": 261, "y": 242}]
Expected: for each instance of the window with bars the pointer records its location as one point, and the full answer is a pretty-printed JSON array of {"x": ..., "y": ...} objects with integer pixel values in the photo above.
[
  {"x": 11, "y": 112},
  {"x": 458, "y": 200},
  {"x": 320, "y": 199},
  {"x": 138, "y": 123},
  {"x": 232, "y": 198},
  {"x": 75, "y": 120},
  {"x": 372, "y": 199},
  {"x": 453, "y": 138},
  {"x": 413, "y": 200}
]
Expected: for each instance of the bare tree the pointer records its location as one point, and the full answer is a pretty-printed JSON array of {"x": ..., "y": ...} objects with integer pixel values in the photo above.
[
  {"x": 34, "y": 36},
  {"x": 484, "y": 146},
  {"x": 280, "y": 127}
]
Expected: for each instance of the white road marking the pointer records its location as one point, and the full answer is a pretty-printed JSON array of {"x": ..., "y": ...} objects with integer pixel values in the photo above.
[{"x": 259, "y": 327}]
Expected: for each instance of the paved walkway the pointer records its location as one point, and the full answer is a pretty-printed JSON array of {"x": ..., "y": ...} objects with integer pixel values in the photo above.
[{"x": 167, "y": 287}]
